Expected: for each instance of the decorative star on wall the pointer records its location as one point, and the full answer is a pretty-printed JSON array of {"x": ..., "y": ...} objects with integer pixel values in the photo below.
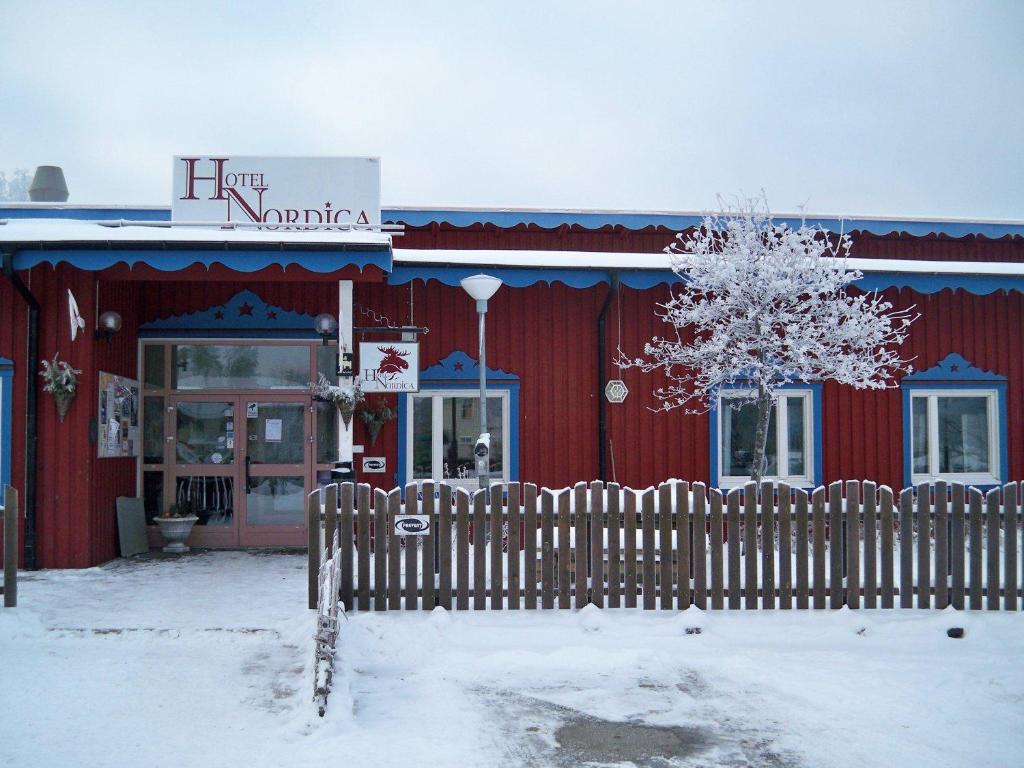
[
  {"x": 271, "y": 315},
  {"x": 245, "y": 309},
  {"x": 218, "y": 315},
  {"x": 458, "y": 366}
]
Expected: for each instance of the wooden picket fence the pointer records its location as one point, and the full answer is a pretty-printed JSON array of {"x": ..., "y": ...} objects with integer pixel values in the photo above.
[{"x": 760, "y": 547}]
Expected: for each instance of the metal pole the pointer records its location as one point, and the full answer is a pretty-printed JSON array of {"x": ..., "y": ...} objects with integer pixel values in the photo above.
[{"x": 481, "y": 308}]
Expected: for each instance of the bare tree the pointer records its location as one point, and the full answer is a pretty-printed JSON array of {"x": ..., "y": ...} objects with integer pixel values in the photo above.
[{"x": 763, "y": 305}]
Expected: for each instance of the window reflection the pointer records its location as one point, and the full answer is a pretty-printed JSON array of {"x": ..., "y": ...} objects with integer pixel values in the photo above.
[{"x": 239, "y": 366}]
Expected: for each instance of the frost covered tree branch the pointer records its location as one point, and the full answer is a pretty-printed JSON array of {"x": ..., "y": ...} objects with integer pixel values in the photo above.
[{"x": 763, "y": 305}]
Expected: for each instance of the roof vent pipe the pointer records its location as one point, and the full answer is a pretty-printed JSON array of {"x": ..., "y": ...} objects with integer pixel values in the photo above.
[{"x": 48, "y": 185}]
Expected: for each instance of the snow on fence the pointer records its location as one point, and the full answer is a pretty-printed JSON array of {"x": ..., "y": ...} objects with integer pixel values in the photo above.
[
  {"x": 329, "y": 590},
  {"x": 9, "y": 514},
  {"x": 767, "y": 546}
]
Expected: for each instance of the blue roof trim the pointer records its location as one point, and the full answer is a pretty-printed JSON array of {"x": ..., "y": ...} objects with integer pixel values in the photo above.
[
  {"x": 87, "y": 214},
  {"x": 679, "y": 222},
  {"x": 953, "y": 367},
  {"x": 980, "y": 285},
  {"x": 174, "y": 260},
  {"x": 459, "y": 366},
  {"x": 553, "y": 219},
  {"x": 245, "y": 311},
  {"x": 511, "y": 276}
]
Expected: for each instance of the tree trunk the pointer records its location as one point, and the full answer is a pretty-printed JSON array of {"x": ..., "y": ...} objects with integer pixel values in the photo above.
[{"x": 764, "y": 413}]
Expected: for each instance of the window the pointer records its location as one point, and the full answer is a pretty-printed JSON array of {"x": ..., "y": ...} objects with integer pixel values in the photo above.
[
  {"x": 954, "y": 424},
  {"x": 444, "y": 429},
  {"x": 954, "y": 436},
  {"x": 791, "y": 449},
  {"x": 439, "y": 424}
]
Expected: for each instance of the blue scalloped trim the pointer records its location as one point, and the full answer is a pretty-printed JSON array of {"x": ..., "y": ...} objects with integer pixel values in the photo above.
[
  {"x": 511, "y": 276},
  {"x": 980, "y": 285},
  {"x": 174, "y": 260},
  {"x": 953, "y": 367},
  {"x": 244, "y": 311},
  {"x": 459, "y": 366}
]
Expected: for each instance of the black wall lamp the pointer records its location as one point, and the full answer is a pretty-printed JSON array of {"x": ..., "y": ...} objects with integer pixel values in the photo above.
[{"x": 108, "y": 324}]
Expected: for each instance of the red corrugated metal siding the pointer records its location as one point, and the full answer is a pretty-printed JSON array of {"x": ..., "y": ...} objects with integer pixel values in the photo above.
[
  {"x": 863, "y": 431},
  {"x": 113, "y": 477},
  {"x": 64, "y": 489},
  {"x": 545, "y": 334}
]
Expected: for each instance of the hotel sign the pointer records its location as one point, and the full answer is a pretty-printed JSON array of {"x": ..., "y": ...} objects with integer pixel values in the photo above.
[
  {"x": 389, "y": 366},
  {"x": 281, "y": 192}
]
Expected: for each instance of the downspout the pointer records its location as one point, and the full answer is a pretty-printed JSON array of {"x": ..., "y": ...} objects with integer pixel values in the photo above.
[
  {"x": 31, "y": 408},
  {"x": 602, "y": 425}
]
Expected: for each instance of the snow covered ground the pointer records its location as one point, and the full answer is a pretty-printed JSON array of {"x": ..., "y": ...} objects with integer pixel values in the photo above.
[{"x": 207, "y": 660}]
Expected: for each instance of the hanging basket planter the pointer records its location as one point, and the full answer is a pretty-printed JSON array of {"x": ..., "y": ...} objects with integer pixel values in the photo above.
[
  {"x": 375, "y": 417},
  {"x": 61, "y": 382},
  {"x": 63, "y": 401},
  {"x": 344, "y": 396}
]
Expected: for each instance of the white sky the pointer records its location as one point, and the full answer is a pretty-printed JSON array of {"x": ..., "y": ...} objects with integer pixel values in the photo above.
[{"x": 888, "y": 108}]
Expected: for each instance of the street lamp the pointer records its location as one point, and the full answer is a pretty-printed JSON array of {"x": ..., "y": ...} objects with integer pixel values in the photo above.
[{"x": 481, "y": 288}]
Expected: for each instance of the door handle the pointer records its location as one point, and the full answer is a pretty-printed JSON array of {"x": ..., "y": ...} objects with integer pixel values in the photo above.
[{"x": 248, "y": 477}]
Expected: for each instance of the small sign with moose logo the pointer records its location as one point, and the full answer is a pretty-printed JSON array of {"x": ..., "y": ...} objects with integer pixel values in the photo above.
[
  {"x": 412, "y": 525},
  {"x": 389, "y": 366}
]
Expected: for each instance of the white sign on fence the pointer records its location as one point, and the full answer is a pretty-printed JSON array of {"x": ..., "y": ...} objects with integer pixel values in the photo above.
[
  {"x": 412, "y": 525},
  {"x": 375, "y": 464},
  {"x": 389, "y": 366},
  {"x": 282, "y": 192}
]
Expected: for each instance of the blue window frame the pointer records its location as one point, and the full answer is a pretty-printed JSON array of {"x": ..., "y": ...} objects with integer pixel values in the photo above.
[
  {"x": 794, "y": 442},
  {"x": 431, "y": 448},
  {"x": 6, "y": 395},
  {"x": 954, "y": 425}
]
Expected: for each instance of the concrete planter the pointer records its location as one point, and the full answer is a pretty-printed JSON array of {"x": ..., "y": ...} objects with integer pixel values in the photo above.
[{"x": 175, "y": 530}]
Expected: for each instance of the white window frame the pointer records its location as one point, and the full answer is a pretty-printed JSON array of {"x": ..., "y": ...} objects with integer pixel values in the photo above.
[
  {"x": 968, "y": 478},
  {"x": 781, "y": 432},
  {"x": 437, "y": 429}
]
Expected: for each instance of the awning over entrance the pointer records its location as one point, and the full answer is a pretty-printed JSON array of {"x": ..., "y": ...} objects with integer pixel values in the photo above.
[{"x": 96, "y": 245}]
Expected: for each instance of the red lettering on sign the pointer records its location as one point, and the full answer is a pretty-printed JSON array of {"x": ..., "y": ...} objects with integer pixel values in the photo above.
[{"x": 191, "y": 178}]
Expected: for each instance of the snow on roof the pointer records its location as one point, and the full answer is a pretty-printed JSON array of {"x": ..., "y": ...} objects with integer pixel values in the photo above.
[
  {"x": 121, "y": 232},
  {"x": 661, "y": 261}
]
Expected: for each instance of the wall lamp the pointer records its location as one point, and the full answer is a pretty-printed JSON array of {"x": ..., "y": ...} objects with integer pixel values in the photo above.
[
  {"x": 326, "y": 326},
  {"x": 108, "y": 324}
]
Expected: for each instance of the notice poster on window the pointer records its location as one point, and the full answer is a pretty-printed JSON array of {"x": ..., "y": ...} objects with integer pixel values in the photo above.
[
  {"x": 118, "y": 421},
  {"x": 272, "y": 431}
]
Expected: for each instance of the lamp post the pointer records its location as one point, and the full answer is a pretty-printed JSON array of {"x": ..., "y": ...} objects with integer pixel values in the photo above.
[{"x": 481, "y": 288}]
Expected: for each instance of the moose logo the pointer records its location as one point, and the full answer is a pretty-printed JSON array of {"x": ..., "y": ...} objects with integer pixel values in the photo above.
[{"x": 391, "y": 367}]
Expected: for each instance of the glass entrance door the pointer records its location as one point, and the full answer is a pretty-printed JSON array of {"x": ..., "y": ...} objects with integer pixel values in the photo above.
[
  {"x": 243, "y": 465},
  {"x": 277, "y": 468},
  {"x": 204, "y": 460}
]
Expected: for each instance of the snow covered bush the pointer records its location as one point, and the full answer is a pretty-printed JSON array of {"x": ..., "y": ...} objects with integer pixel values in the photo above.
[{"x": 763, "y": 305}]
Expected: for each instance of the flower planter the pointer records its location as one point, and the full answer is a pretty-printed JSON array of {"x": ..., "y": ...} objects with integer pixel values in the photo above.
[{"x": 175, "y": 530}]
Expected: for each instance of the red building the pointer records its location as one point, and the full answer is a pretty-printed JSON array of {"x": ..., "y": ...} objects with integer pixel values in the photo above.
[{"x": 217, "y": 332}]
